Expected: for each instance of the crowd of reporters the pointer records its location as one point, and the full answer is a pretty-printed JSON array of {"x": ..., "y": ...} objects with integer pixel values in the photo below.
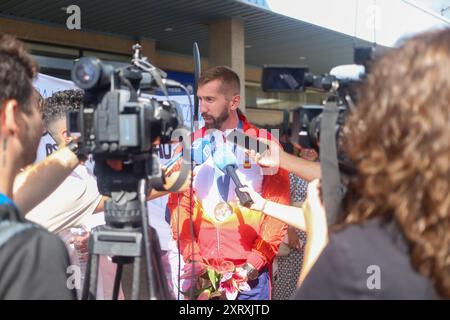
[{"x": 396, "y": 212}]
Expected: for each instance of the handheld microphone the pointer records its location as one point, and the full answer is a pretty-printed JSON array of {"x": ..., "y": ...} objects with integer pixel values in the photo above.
[
  {"x": 200, "y": 151},
  {"x": 226, "y": 161}
]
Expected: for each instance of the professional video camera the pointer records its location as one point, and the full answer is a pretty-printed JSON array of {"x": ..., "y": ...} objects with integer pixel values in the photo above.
[
  {"x": 117, "y": 121},
  {"x": 118, "y": 125},
  {"x": 320, "y": 127},
  {"x": 338, "y": 86}
]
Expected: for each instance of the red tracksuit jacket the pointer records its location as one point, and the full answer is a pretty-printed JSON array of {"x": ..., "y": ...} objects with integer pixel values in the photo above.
[{"x": 247, "y": 236}]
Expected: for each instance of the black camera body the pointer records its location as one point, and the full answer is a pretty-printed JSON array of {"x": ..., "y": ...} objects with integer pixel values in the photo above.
[
  {"x": 118, "y": 125},
  {"x": 320, "y": 127},
  {"x": 118, "y": 122},
  {"x": 306, "y": 125},
  {"x": 339, "y": 87}
]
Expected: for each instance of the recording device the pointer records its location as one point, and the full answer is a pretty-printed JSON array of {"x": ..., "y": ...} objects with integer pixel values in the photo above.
[
  {"x": 200, "y": 151},
  {"x": 118, "y": 126},
  {"x": 226, "y": 161},
  {"x": 320, "y": 127},
  {"x": 117, "y": 122},
  {"x": 247, "y": 142},
  {"x": 283, "y": 78},
  {"x": 306, "y": 125},
  {"x": 339, "y": 86}
]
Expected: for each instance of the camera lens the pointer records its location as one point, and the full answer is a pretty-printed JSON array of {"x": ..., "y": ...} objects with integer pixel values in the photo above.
[{"x": 86, "y": 72}]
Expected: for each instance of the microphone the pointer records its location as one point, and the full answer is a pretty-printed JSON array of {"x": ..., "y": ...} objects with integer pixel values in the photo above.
[
  {"x": 226, "y": 161},
  {"x": 200, "y": 151}
]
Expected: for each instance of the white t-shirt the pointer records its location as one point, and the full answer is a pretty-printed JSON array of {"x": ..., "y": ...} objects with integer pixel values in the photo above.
[
  {"x": 46, "y": 147},
  {"x": 70, "y": 204}
]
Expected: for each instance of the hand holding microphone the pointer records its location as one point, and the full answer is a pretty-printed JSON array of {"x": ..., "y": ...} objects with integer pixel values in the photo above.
[
  {"x": 200, "y": 151},
  {"x": 226, "y": 161}
]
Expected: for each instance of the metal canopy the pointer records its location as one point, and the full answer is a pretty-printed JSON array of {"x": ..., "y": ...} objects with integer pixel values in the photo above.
[{"x": 271, "y": 38}]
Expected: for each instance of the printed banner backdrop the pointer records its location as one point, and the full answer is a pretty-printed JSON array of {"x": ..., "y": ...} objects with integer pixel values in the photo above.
[{"x": 47, "y": 85}]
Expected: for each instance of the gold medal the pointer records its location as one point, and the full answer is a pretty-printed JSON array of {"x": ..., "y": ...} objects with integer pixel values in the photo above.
[{"x": 222, "y": 211}]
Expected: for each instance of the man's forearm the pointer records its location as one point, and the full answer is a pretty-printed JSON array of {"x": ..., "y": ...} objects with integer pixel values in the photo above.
[
  {"x": 153, "y": 194},
  {"x": 305, "y": 169},
  {"x": 38, "y": 181}
]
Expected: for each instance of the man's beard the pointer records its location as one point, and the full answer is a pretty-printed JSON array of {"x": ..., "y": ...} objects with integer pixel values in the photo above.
[{"x": 217, "y": 122}]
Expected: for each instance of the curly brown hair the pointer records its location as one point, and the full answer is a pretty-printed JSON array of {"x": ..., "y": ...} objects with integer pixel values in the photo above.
[
  {"x": 57, "y": 106},
  {"x": 399, "y": 140}
]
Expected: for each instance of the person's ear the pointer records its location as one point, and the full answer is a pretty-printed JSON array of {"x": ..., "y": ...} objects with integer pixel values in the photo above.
[
  {"x": 9, "y": 119},
  {"x": 65, "y": 135},
  {"x": 235, "y": 102}
]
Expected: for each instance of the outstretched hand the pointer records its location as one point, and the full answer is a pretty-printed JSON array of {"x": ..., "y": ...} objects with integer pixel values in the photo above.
[
  {"x": 269, "y": 158},
  {"x": 258, "y": 200},
  {"x": 316, "y": 227}
]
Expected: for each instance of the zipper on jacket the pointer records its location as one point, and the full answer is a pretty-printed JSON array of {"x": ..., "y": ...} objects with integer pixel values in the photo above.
[{"x": 218, "y": 242}]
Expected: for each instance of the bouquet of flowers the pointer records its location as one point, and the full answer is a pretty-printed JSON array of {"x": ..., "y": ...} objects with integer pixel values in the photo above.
[{"x": 206, "y": 281}]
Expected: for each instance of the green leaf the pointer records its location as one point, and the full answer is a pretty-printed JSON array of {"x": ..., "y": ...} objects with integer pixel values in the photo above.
[{"x": 213, "y": 278}]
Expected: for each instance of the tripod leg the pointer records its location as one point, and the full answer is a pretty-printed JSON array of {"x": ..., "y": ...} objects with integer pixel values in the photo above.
[
  {"x": 117, "y": 281},
  {"x": 84, "y": 295},
  {"x": 136, "y": 278},
  {"x": 93, "y": 277},
  {"x": 158, "y": 278},
  {"x": 147, "y": 236}
]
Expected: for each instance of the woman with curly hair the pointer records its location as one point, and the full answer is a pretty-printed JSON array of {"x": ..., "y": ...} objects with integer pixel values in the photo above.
[
  {"x": 394, "y": 238},
  {"x": 394, "y": 242}
]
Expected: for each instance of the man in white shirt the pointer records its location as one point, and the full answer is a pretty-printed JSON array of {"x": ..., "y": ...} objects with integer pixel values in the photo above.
[{"x": 77, "y": 198}]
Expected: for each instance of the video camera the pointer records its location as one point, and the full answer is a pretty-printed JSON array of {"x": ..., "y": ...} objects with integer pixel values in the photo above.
[
  {"x": 116, "y": 121},
  {"x": 320, "y": 127},
  {"x": 338, "y": 85},
  {"x": 119, "y": 122}
]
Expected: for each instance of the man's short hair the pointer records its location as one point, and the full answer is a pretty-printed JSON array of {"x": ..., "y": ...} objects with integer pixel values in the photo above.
[
  {"x": 230, "y": 79},
  {"x": 59, "y": 103},
  {"x": 17, "y": 70}
]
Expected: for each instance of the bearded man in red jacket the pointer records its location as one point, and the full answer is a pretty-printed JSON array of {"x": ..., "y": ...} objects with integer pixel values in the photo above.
[{"x": 223, "y": 231}]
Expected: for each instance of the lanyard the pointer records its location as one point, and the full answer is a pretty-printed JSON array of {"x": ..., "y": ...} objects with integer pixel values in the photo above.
[{"x": 4, "y": 200}]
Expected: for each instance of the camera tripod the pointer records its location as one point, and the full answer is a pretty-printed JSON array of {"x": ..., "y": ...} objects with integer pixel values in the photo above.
[{"x": 127, "y": 238}]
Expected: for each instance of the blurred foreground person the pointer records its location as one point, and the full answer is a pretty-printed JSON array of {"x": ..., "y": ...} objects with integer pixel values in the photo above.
[
  {"x": 33, "y": 262},
  {"x": 394, "y": 242}
]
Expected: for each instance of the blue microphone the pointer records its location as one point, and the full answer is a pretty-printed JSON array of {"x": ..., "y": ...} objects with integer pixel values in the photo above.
[
  {"x": 226, "y": 161},
  {"x": 200, "y": 151}
]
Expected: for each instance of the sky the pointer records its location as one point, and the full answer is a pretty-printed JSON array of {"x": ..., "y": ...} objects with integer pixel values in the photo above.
[{"x": 381, "y": 21}]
